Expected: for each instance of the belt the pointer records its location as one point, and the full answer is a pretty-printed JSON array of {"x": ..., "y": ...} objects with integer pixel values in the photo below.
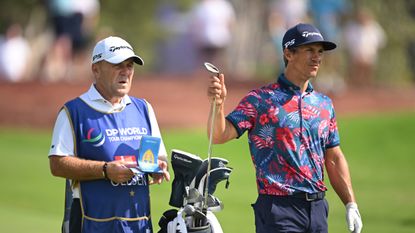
[{"x": 310, "y": 196}]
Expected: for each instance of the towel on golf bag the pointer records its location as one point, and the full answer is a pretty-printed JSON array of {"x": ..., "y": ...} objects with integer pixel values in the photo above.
[{"x": 172, "y": 222}]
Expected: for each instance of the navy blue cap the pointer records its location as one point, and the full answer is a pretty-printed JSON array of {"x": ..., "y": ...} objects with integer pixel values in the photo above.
[{"x": 302, "y": 34}]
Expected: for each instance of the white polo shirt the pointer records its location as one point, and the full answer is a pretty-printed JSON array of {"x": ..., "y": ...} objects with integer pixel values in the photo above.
[{"x": 62, "y": 138}]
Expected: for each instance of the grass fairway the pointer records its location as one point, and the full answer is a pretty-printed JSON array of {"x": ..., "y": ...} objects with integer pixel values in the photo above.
[{"x": 378, "y": 148}]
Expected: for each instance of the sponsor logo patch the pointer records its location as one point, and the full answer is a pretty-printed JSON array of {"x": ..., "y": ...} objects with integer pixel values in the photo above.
[{"x": 94, "y": 137}]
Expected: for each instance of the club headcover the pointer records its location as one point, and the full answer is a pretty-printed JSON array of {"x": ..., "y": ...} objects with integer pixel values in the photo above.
[
  {"x": 215, "y": 162},
  {"x": 216, "y": 175},
  {"x": 185, "y": 166}
]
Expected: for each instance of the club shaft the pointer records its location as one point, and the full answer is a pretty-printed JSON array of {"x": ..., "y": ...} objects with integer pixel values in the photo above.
[{"x": 212, "y": 127}]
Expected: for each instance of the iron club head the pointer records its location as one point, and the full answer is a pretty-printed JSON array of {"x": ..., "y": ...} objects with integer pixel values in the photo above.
[
  {"x": 189, "y": 209},
  {"x": 194, "y": 196},
  {"x": 210, "y": 67}
]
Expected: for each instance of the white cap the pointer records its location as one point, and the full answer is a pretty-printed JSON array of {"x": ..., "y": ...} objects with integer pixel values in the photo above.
[{"x": 114, "y": 50}]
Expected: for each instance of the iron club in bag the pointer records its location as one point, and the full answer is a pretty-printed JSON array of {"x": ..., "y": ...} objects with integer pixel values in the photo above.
[{"x": 213, "y": 69}]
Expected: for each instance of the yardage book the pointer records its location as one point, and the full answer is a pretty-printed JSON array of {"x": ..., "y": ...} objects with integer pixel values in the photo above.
[{"x": 148, "y": 154}]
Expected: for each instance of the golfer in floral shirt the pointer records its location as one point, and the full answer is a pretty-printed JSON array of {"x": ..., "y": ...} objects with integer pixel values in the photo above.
[
  {"x": 287, "y": 145},
  {"x": 293, "y": 138}
]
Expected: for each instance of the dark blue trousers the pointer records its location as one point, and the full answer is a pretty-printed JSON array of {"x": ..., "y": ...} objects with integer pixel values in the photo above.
[{"x": 283, "y": 214}]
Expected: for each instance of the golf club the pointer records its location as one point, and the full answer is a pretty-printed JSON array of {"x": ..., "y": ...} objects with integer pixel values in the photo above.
[
  {"x": 193, "y": 197},
  {"x": 189, "y": 209},
  {"x": 210, "y": 67},
  {"x": 213, "y": 69}
]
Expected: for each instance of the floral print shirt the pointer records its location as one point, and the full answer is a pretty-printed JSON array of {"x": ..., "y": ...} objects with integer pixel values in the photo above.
[{"x": 288, "y": 134}]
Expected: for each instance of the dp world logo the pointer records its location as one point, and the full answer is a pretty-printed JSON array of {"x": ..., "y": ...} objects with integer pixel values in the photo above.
[{"x": 94, "y": 137}]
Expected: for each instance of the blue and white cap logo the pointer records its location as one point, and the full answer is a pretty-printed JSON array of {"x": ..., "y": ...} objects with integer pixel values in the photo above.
[
  {"x": 302, "y": 34},
  {"x": 114, "y": 50}
]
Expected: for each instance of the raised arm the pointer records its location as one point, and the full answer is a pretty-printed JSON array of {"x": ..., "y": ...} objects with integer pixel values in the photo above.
[{"x": 223, "y": 130}]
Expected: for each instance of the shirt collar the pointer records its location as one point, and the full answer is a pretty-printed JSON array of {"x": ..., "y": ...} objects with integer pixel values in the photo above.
[
  {"x": 94, "y": 96},
  {"x": 285, "y": 83}
]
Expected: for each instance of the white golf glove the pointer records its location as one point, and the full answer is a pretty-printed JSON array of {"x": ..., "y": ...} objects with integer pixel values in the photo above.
[{"x": 354, "y": 221}]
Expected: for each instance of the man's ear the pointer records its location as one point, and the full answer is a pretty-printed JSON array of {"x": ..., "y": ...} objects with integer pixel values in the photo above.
[
  {"x": 95, "y": 70},
  {"x": 287, "y": 54}
]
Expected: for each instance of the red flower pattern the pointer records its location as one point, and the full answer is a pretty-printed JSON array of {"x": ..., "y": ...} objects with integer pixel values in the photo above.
[
  {"x": 263, "y": 119},
  {"x": 273, "y": 113}
]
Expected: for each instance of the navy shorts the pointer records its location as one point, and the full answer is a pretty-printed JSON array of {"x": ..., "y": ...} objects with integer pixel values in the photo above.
[{"x": 290, "y": 214}]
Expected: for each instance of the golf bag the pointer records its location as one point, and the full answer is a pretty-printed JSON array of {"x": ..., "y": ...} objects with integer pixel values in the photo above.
[{"x": 195, "y": 213}]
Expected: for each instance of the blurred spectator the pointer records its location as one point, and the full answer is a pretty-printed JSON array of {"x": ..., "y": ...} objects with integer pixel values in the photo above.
[
  {"x": 291, "y": 12},
  {"x": 73, "y": 22},
  {"x": 14, "y": 54},
  {"x": 364, "y": 37},
  {"x": 75, "y": 19},
  {"x": 283, "y": 15},
  {"x": 329, "y": 16},
  {"x": 177, "y": 52},
  {"x": 211, "y": 29}
]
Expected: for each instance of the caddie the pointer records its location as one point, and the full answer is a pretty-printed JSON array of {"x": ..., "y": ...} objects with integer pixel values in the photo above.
[{"x": 95, "y": 142}]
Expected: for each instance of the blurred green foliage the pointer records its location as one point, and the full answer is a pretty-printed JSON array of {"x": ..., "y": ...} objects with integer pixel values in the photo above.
[{"x": 12, "y": 11}]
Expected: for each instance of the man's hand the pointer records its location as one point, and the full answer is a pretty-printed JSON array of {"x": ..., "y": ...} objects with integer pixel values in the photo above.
[
  {"x": 119, "y": 172},
  {"x": 217, "y": 89},
  {"x": 354, "y": 221},
  {"x": 158, "y": 178}
]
